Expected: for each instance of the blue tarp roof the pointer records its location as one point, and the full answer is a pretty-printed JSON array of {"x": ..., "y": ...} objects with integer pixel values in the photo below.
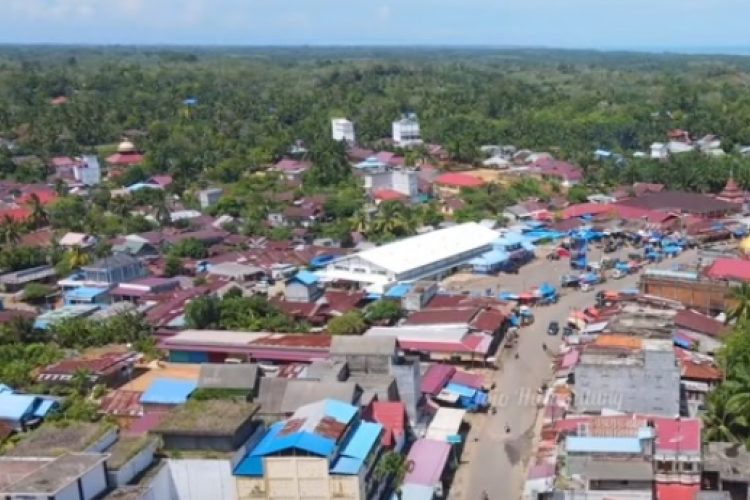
[
  {"x": 14, "y": 407},
  {"x": 303, "y": 441},
  {"x": 306, "y": 278},
  {"x": 44, "y": 408},
  {"x": 85, "y": 292},
  {"x": 543, "y": 235},
  {"x": 490, "y": 258},
  {"x": 168, "y": 391},
  {"x": 364, "y": 438},
  {"x": 398, "y": 291},
  {"x": 347, "y": 466},
  {"x": 527, "y": 245},
  {"x": 602, "y": 445},
  {"x": 461, "y": 390},
  {"x": 252, "y": 464},
  {"x": 339, "y": 411},
  {"x": 546, "y": 289},
  {"x": 508, "y": 239}
]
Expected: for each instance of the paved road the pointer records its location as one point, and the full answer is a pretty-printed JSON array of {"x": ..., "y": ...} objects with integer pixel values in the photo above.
[{"x": 497, "y": 462}]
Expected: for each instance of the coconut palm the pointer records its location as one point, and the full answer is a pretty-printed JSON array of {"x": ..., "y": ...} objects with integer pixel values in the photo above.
[
  {"x": 719, "y": 423},
  {"x": 10, "y": 230},
  {"x": 394, "y": 466},
  {"x": 38, "y": 216},
  {"x": 162, "y": 212},
  {"x": 120, "y": 206},
  {"x": 740, "y": 310},
  {"x": 77, "y": 257}
]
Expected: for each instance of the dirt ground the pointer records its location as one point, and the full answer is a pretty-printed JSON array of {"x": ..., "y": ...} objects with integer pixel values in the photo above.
[
  {"x": 489, "y": 175},
  {"x": 147, "y": 374}
]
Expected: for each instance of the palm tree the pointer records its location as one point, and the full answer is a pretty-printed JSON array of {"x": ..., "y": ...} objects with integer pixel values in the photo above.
[
  {"x": 740, "y": 311},
  {"x": 360, "y": 221},
  {"x": 394, "y": 467},
  {"x": 719, "y": 423},
  {"x": 738, "y": 388},
  {"x": 120, "y": 206},
  {"x": 10, "y": 230},
  {"x": 162, "y": 214},
  {"x": 38, "y": 216},
  {"x": 77, "y": 258},
  {"x": 80, "y": 380}
]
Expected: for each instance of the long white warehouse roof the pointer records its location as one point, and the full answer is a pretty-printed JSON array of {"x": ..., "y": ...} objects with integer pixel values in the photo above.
[{"x": 428, "y": 248}]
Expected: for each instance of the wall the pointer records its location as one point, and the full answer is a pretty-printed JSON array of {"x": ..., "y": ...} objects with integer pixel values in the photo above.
[
  {"x": 702, "y": 295},
  {"x": 198, "y": 479},
  {"x": 94, "y": 482},
  {"x": 293, "y": 477},
  {"x": 134, "y": 466},
  {"x": 228, "y": 443},
  {"x": 104, "y": 443}
]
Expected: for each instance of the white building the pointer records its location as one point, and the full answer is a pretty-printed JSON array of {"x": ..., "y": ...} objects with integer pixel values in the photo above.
[
  {"x": 342, "y": 130},
  {"x": 209, "y": 197},
  {"x": 87, "y": 171},
  {"x": 69, "y": 477},
  {"x": 404, "y": 181},
  {"x": 659, "y": 150},
  {"x": 406, "y": 130},
  {"x": 428, "y": 255}
]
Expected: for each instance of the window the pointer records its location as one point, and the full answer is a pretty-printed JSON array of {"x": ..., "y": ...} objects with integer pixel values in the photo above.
[{"x": 688, "y": 467}]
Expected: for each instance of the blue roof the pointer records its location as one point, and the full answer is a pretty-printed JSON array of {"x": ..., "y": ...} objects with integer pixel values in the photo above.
[
  {"x": 347, "y": 466},
  {"x": 15, "y": 407},
  {"x": 398, "y": 291},
  {"x": 304, "y": 441},
  {"x": 509, "y": 239},
  {"x": 306, "y": 278},
  {"x": 340, "y": 411},
  {"x": 85, "y": 292},
  {"x": 140, "y": 185},
  {"x": 461, "y": 390},
  {"x": 527, "y": 245},
  {"x": 362, "y": 440},
  {"x": 5, "y": 388},
  {"x": 490, "y": 258},
  {"x": 371, "y": 162},
  {"x": 603, "y": 445},
  {"x": 168, "y": 391},
  {"x": 44, "y": 407},
  {"x": 252, "y": 464}
]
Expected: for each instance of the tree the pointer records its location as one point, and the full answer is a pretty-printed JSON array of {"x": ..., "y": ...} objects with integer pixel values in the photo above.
[
  {"x": 76, "y": 257},
  {"x": 394, "y": 467},
  {"x": 202, "y": 312},
  {"x": 385, "y": 310},
  {"x": 740, "y": 310},
  {"x": 350, "y": 323},
  {"x": 36, "y": 292},
  {"x": 81, "y": 381},
  {"x": 172, "y": 266},
  {"x": 10, "y": 230},
  {"x": 38, "y": 213},
  {"x": 189, "y": 248}
]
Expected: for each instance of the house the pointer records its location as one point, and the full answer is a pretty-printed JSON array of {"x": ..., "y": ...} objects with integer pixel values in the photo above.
[
  {"x": 392, "y": 184},
  {"x": 392, "y": 416},
  {"x": 15, "y": 281},
  {"x": 451, "y": 184},
  {"x": 327, "y": 438},
  {"x": 87, "y": 171},
  {"x": 80, "y": 240},
  {"x": 678, "y": 147},
  {"x": 163, "y": 395},
  {"x": 330, "y": 304},
  {"x": 87, "y": 296},
  {"x": 342, "y": 130},
  {"x": 226, "y": 425},
  {"x": 242, "y": 378},
  {"x": 659, "y": 151},
  {"x": 497, "y": 162},
  {"x": 292, "y": 169},
  {"x": 406, "y": 131},
  {"x": 302, "y": 287},
  {"x": 70, "y": 476},
  {"x": 726, "y": 467},
  {"x": 548, "y": 168},
  {"x": 126, "y": 155},
  {"x": 642, "y": 375},
  {"x": 137, "y": 247},
  {"x": 432, "y": 462},
  {"x": 234, "y": 271},
  {"x": 209, "y": 197},
  {"x": 22, "y": 411},
  {"x": 109, "y": 369},
  {"x": 113, "y": 270}
]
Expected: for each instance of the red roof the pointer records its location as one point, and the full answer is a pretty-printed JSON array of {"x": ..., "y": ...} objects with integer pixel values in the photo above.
[
  {"x": 459, "y": 180},
  {"x": 45, "y": 197},
  {"x": 122, "y": 403},
  {"x": 700, "y": 323},
  {"x": 730, "y": 269},
  {"x": 488, "y": 321},
  {"x": 443, "y": 316},
  {"x": 125, "y": 159},
  {"x": 16, "y": 214},
  {"x": 586, "y": 209},
  {"x": 388, "y": 195},
  {"x": 635, "y": 213},
  {"x": 678, "y": 435},
  {"x": 436, "y": 378},
  {"x": 473, "y": 380},
  {"x": 560, "y": 169},
  {"x": 392, "y": 416},
  {"x": 98, "y": 366},
  {"x": 673, "y": 491},
  {"x": 62, "y": 161},
  {"x": 289, "y": 165}
]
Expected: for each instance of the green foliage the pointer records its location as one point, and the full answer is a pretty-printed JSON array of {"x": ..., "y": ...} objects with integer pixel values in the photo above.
[
  {"x": 19, "y": 258},
  {"x": 81, "y": 333},
  {"x": 36, "y": 292},
  {"x": 235, "y": 312},
  {"x": 205, "y": 394},
  {"x": 385, "y": 310},
  {"x": 17, "y": 362},
  {"x": 189, "y": 248},
  {"x": 350, "y": 323},
  {"x": 172, "y": 266}
]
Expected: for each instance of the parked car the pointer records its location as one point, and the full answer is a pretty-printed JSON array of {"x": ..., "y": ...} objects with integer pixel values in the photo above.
[{"x": 553, "y": 328}]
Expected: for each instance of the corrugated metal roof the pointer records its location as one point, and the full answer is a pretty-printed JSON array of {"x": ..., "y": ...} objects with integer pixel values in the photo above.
[
  {"x": 228, "y": 376},
  {"x": 363, "y": 440},
  {"x": 122, "y": 403},
  {"x": 574, "y": 444},
  {"x": 437, "y": 378},
  {"x": 429, "y": 458},
  {"x": 618, "y": 341},
  {"x": 168, "y": 391},
  {"x": 472, "y": 380}
]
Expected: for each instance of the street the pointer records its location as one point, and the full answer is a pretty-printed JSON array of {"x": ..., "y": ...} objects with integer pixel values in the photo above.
[{"x": 497, "y": 462}]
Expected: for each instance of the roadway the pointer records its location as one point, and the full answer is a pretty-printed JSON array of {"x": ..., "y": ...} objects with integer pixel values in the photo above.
[{"x": 497, "y": 462}]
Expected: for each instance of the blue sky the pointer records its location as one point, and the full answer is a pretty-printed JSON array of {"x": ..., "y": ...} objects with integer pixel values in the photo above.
[{"x": 556, "y": 23}]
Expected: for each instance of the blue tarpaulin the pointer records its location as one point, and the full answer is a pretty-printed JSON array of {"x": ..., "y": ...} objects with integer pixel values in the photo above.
[
  {"x": 515, "y": 321},
  {"x": 398, "y": 291},
  {"x": 507, "y": 296},
  {"x": 547, "y": 289}
]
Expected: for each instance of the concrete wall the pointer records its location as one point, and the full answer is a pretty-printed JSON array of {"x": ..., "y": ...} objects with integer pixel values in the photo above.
[
  {"x": 202, "y": 479},
  {"x": 94, "y": 482},
  {"x": 104, "y": 443},
  {"x": 134, "y": 466},
  {"x": 703, "y": 295}
]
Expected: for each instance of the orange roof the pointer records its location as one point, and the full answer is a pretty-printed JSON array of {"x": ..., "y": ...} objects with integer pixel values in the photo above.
[
  {"x": 618, "y": 342},
  {"x": 700, "y": 371},
  {"x": 17, "y": 214}
]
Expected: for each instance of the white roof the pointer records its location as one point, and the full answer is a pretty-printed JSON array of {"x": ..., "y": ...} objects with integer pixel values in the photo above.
[
  {"x": 447, "y": 422},
  {"x": 428, "y": 248},
  {"x": 421, "y": 333},
  {"x": 214, "y": 337}
]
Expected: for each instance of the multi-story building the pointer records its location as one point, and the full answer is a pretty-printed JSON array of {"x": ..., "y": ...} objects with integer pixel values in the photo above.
[
  {"x": 342, "y": 130},
  {"x": 87, "y": 171},
  {"x": 628, "y": 374},
  {"x": 406, "y": 131},
  {"x": 402, "y": 181},
  {"x": 325, "y": 450}
]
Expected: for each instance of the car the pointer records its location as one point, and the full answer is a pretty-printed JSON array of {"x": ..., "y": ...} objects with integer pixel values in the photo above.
[{"x": 553, "y": 328}]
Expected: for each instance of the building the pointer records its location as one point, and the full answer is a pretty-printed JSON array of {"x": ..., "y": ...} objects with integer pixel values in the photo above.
[
  {"x": 126, "y": 155},
  {"x": 432, "y": 460},
  {"x": 209, "y": 197},
  {"x": 682, "y": 203},
  {"x": 628, "y": 374},
  {"x": 87, "y": 296},
  {"x": 213, "y": 425},
  {"x": 381, "y": 183},
  {"x": 732, "y": 193},
  {"x": 302, "y": 287},
  {"x": 325, "y": 450},
  {"x": 163, "y": 395},
  {"x": 242, "y": 378},
  {"x": 87, "y": 171},
  {"x": 69, "y": 477},
  {"x": 434, "y": 254},
  {"x": 406, "y": 131},
  {"x": 20, "y": 411},
  {"x": 109, "y": 369},
  {"x": 135, "y": 290},
  {"x": 726, "y": 468},
  {"x": 450, "y": 184},
  {"x": 342, "y": 130},
  {"x": 17, "y": 280}
]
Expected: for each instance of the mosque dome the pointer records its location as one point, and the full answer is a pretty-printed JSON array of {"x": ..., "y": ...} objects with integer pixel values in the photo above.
[{"x": 126, "y": 147}]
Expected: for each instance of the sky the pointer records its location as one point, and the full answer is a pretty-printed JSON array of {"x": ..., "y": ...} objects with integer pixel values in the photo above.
[{"x": 600, "y": 24}]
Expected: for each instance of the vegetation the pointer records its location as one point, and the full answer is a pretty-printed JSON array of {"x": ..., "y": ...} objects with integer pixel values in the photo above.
[
  {"x": 235, "y": 312},
  {"x": 393, "y": 467},
  {"x": 211, "y": 416},
  {"x": 384, "y": 310},
  {"x": 350, "y": 323}
]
